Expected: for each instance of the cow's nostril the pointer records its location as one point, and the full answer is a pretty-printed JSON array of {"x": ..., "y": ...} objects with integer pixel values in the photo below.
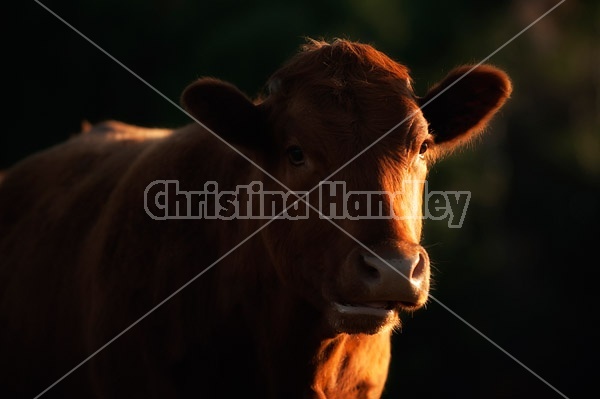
[
  {"x": 369, "y": 271},
  {"x": 419, "y": 271}
]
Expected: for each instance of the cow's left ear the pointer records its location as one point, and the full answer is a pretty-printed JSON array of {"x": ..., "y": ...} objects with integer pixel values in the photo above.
[
  {"x": 225, "y": 110},
  {"x": 465, "y": 105}
]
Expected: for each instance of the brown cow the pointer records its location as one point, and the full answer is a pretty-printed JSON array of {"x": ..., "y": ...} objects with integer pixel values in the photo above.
[{"x": 300, "y": 309}]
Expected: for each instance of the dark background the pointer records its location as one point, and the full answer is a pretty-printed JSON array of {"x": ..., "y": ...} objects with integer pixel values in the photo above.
[{"x": 520, "y": 270}]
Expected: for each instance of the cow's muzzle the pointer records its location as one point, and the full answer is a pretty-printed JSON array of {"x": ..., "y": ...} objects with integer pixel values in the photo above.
[
  {"x": 395, "y": 275},
  {"x": 375, "y": 284}
]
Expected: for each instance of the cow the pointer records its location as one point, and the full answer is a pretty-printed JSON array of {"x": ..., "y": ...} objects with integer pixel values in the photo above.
[{"x": 97, "y": 280}]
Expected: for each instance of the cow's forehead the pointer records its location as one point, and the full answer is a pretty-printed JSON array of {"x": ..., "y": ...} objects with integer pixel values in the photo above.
[
  {"x": 344, "y": 83},
  {"x": 360, "y": 111}
]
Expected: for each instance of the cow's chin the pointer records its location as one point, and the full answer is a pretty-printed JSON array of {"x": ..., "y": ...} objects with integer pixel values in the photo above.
[{"x": 368, "y": 318}]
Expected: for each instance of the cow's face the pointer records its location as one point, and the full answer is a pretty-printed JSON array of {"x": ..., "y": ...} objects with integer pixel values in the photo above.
[{"x": 324, "y": 108}]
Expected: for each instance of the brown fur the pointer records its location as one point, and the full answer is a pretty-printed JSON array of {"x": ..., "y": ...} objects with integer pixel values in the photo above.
[{"x": 81, "y": 260}]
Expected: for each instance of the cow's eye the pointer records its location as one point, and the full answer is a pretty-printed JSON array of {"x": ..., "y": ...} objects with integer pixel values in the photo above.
[
  {"x": 295, "y": 155},
  {"x": 423, "y": 148}
]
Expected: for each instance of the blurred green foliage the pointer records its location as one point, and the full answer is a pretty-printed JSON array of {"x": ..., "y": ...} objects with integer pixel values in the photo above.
[{"x": 519, "y": 270}]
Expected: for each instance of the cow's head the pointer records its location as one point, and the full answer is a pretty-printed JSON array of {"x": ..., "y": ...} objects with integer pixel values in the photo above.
[{"x": 324, "y": 107}]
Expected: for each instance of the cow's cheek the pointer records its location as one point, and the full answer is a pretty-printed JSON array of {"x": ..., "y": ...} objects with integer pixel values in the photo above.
[{"x": 306, "y": 256}]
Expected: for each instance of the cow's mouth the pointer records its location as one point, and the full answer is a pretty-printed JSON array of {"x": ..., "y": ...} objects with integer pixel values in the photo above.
[
  {"x": 379, "y": 308},
  {"x": 363, "y": 317}
]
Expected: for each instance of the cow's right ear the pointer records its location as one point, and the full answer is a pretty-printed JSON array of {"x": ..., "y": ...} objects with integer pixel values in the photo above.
[{"x": 224, "y": 109}]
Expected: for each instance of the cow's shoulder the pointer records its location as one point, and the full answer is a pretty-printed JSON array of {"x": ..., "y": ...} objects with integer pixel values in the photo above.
[
  {"x": 112, "y": 130},
  {"x": 106, "y": 147},
  {"x": 85, "y": 168}
]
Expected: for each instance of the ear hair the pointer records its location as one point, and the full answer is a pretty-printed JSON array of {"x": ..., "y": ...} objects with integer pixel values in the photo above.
[
  {"x": 467, "y": 102},
  {"x": 227, "y": 111}
]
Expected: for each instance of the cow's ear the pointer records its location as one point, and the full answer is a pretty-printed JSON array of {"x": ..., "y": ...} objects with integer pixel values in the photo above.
[
  {"x": 224, "y": 109},
  {"x": 465, "y": 105}
]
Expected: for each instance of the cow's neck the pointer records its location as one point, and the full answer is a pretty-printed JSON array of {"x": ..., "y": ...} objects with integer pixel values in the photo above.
[
  {"x": 352, "y": 366},
  {"x": 291, "y": 335},
  {"x": 339, "y": 366}
]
